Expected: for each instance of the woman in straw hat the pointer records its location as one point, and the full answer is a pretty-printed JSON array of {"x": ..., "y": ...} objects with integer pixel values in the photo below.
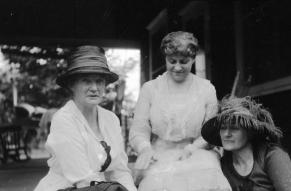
[
  {"x": 253, "y": 159},
  {"x": 85, "y": 140},
  {"x": 172, "y": 108}
]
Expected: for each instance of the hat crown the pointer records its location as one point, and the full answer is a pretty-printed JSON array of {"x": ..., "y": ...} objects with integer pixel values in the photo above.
[
  {"x": 87, "y": 56},
  {"x": 86, "y": 59},
  {"x": 245, "y": 106},
  {"x": 239, "y": 106}
]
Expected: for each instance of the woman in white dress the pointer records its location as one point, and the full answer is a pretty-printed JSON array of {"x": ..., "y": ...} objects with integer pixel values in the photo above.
[
  {"x": 167, "y": 123},
  {"x": 81, "y": 132}
]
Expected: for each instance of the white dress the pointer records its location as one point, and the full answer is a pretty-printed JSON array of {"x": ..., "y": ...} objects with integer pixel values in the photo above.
[
  {"x": 176, "y": 120},
  {"x": 76, "y": 152}
]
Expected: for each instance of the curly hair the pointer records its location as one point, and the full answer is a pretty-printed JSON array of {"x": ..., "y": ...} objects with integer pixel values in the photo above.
[{"x": 181, "y": 43}]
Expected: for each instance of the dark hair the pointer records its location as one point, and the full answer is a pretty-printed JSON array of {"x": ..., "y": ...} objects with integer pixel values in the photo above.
[{"x": 179, "y": 43}]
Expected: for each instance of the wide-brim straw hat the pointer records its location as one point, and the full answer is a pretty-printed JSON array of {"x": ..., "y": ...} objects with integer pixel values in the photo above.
[
  {"x": 242, "y": 112},
  {"x": 86, "y": 60}
]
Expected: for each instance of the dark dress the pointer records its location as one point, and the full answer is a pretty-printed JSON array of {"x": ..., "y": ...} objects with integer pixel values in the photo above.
[{"x": 271, "y": 171}]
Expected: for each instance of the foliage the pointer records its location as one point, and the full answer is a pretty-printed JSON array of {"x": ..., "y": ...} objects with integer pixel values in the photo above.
[
  {"x": 33, "y": 70},
  {"x": 126, "y": 64},
  {"x": 33, "y": 76}
]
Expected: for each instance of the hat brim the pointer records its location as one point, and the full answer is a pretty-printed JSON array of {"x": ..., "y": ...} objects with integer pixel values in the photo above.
[
  {"x": 110, "y": 77},
  {"x": 210, "y": 132}
]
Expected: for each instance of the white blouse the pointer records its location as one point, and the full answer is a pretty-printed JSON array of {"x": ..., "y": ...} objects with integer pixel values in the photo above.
[
  {"x": 76, "y": 152},
  {"x": 171, "y": 116}
]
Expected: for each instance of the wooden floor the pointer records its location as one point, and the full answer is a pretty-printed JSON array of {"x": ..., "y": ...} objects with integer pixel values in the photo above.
[{"x": 23, "y": 175}]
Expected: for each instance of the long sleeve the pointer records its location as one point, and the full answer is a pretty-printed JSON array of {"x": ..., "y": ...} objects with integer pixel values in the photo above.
[
  {"x": 278, "y": 167},
  {"x": 70, "y": 151},
  {"x": 210, "y": 111},
  {"x": 140, "y": 131},
  {"x": 211, "y": 103}
]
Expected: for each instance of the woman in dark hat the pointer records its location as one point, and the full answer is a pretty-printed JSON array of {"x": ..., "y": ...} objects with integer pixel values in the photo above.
[
  {"x": 253, "y": 159},
  {"x": 172, "y": 108},
  {"x": 85, "y": 140}
]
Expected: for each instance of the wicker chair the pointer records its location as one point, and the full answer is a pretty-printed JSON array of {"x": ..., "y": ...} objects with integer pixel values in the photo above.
[{"x": 12, "y": 144}]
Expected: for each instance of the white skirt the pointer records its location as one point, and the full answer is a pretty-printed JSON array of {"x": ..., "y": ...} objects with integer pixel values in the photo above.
[{"x": 200, "y": 172}]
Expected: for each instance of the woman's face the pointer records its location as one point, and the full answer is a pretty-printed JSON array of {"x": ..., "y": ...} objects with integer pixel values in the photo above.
[
  {"x": 179, "y": 66},
  {"x": 88, "y": 89},
  {"x": 233, "y": 138}
]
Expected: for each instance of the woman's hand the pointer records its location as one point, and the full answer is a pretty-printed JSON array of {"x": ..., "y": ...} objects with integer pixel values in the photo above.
[
  {"x": 185, "y": 154},
  {"x": 144, "y": 159},
  {"x": 199, "y": 143}
]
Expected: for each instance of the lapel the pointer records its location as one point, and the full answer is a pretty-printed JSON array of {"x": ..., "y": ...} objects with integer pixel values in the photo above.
[
  {"x": 104, "y": 122},
  {"x": 83, "y": 125},
  {"x": 81, "y": 118}
]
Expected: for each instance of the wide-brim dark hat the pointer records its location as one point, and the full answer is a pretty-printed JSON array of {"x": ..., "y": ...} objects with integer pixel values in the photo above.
[
  {"x": 242, "y": 112},
  {"x": 86, "y": 60},
  {"x": 210, "y": 132}
]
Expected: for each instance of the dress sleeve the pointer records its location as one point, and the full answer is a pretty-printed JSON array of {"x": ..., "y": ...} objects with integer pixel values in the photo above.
[
  {"x": 119, "y": 170},
  {"x": 67, "y": 146},
  {"x": 140, "y": 132},
  {"x": 210, "y": 111},
  {"x": 211, "y": 103},
  {"x": 278, "y": 167}
]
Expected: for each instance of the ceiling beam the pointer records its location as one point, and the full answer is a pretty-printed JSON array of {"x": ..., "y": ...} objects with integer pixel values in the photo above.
[
  {"x": 270, "y": 87},
  {"x": 67, "y": 42}
]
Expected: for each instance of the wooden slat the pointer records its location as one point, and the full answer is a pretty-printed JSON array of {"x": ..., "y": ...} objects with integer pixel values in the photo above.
[
  {"x": 270, "y": 87},
  {"x": 163, "y": 67}
]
